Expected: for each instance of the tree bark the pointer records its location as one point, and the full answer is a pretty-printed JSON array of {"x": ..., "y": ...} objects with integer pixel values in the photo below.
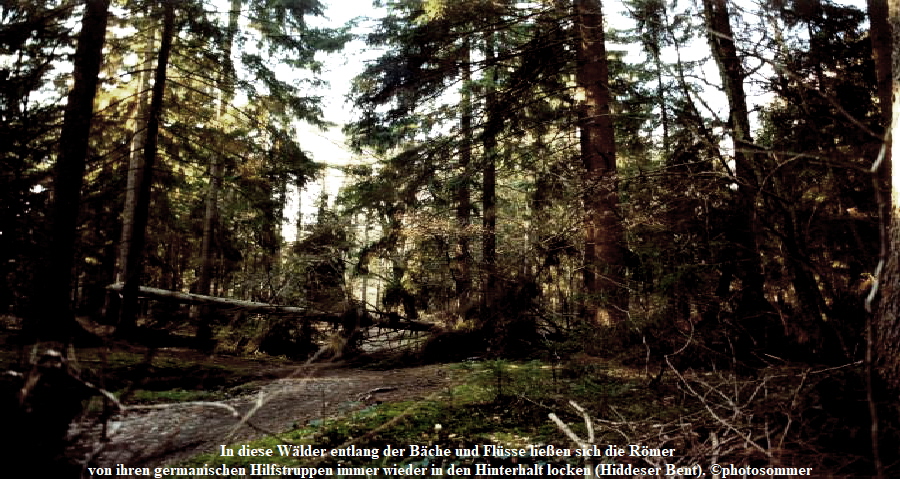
[
  {"x": 463, "y": 258},
  {"x": 49, "y": 398},
  {"x": 742, "y": 259},
  {"x": 134, "y": 261},
  {"x": 216, "y": 167},
  {"x": 53, "y": 316},
  {"x": 216, "y": 173},
  {"x": 135, "y": 171},
  {"x": 253, "y": 306},
  {"x": 880, "y": 36},
  {"x": 489, "y": 179},
  {"x": 606, "y": 296},
  {"x": 887, "y": 317}
]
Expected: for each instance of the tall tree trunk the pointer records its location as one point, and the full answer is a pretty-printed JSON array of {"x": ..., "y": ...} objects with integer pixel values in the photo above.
[
  {"x": 53, "y": 315},
  {"x": 216, "y": 173},
  {"x": 207, "y": 256},
  {"x": 743, "y": 260},
  {"x": 49, "y": 398},
  {"x": 135, "y": 170},
  {"x": 880, "y": 35},
  {"x": 883, "y": 330},
  {"x": 134, "y": 261},
  {"x": 462, "y": 258},
  {"x": 604, "y": 254},
  {"x": 216, "y": 167},
  {"x": 489, "y": 179},
  {"x": 299, "y": 196},
  {"x": 887, "y": 317}
]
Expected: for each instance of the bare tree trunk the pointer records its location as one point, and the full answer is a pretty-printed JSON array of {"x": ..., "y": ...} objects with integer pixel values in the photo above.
[
  {"x": 606, "y": 296},
  {"x": 135, "y": 170},
  {"x": 207, "y": 256},
  {"x": 408, "y": 324},
  {"x": 463, "y": 257},
  {"x": 743, "y": 260},
  {"x": 216, "y": 167},
  {"x": 134, "y": 261},
  {"x": 489, "y": 180},
  {"x": 880, "y": 36},
  {"x": 887, "y": 317},
  {"x": 883, "y": 327},
  {"x": 53, "y": 318},
  {"x": 49, "y": 398}
]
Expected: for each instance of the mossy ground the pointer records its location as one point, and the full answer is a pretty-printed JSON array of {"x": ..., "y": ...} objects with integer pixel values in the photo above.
[
  {"x": 785, "y": 414},
  {"x": 491, "y": 402}
]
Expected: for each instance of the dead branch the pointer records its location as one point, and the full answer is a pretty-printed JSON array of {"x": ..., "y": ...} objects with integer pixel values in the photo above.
[{"x": 252, "y": 306}]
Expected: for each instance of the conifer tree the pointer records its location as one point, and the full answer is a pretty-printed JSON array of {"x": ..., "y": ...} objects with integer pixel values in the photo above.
[{"x": 54, "y": 318}]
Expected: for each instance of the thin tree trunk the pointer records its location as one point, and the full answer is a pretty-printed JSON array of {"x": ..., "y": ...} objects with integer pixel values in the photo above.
[
  {"x": 408, "y": 324},
  {"x": 134, "y": 261},
  {"x": 216, "y": 167},
  {"x": 299, "y": 235},
  {"x": 364, "y": 294},
  {"x": 743, "y": 260},
  {"x": 606, "y": 299},
  {"x": 883, "y": 329},
  {"x": 462, "y": 257},
  {"x": 489, "y": 180},
  {"x": 209, "y": 219},
  {"x": 207, "y": 255},
  {"x": 880, "y": 36},
  {"x": 135, "y": 170}
]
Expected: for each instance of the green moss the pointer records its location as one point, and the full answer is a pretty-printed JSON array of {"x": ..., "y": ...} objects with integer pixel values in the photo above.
[
  {"x": 141, "y": 396},
  {"x": 474, "y": 411}
]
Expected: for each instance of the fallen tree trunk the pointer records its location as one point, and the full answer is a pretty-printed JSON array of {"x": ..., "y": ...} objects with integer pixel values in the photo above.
[
  {"x": 190, "y": 298},
  {"x": 252, "y": 306}
]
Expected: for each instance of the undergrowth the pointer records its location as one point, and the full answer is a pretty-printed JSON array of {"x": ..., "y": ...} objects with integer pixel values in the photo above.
[
  {"x": 494, "y": 402},
  {"x": 782, "y": 416}
]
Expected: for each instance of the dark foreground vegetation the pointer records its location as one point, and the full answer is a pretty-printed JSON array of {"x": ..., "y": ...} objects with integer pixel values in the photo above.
[
  {"x": 786, "y": 413},
  {"x": 668, "y": 224}
]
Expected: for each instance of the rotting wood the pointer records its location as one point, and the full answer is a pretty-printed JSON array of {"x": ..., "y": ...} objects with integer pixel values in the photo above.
[{"x": 252, "y": 306}]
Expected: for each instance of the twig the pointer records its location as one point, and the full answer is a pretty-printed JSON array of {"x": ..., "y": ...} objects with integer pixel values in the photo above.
[{"x": 705, "y": 403}]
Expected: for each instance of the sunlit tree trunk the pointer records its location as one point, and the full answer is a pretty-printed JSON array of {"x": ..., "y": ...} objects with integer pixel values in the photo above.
[
  {"x": 135, "y": 170},
  {"x": 880, "y": 36},
  {"x": 216, "y": 173},
  {"x": 883, "y": 330},
  {"x": 887, "y": 318},
  {"x": 216, "y": 167},
  {"x": 134, "y": 260},
  {"x": 605, "y": 292}
]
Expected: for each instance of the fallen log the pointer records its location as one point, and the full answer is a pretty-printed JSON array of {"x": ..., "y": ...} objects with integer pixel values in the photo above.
[
  {"x": 253, "y": 306},
  {"x": 191, "y": 298}
]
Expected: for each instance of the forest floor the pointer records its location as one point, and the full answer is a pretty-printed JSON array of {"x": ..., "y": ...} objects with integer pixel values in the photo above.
[
  {"x": 181, "y": 405},
  {"x": 285, "y": 396}
]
